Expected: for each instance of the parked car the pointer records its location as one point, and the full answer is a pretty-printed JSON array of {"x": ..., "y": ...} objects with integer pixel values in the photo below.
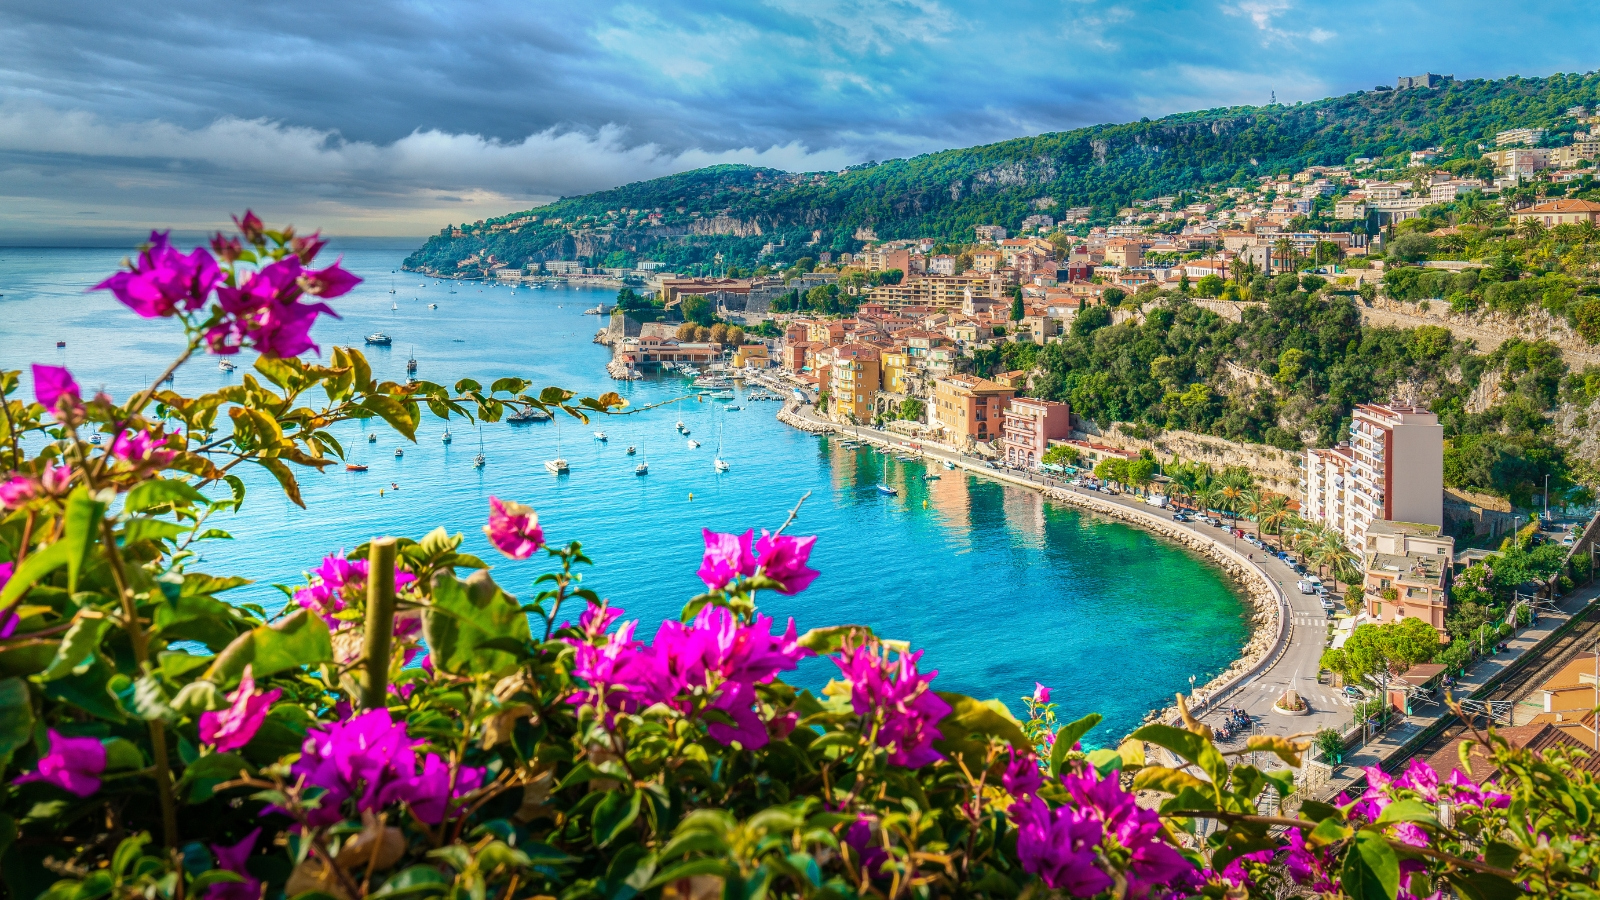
[
  {"x": 1354, "y": 693},
  {"x": 1300, "y": 569},
  {"x": 1181, "y": 517},
  {"x": 1306, "y": 588}
]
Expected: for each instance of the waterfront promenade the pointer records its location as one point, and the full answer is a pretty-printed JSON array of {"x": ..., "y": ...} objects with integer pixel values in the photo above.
[{"x": 1292, "y": 662}]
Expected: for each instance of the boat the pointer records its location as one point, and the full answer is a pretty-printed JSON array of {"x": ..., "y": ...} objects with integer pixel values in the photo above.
[
  {"x": 903, "y": 458},
  {"x": 225, "y": 366},
  {"x": 557, "y": 466},
  {"x": 949, "y": 465},
  {"x": 733, "y": 408},
  {"x": 885, "y": 489},
  {"x": 61, "y": 345},
  {"x": 433, "y": 306},
  {"x": 355, "y": 467},
  {"x": 722, "y": 395},
  {"x": 446, "y": 438},
  {"x": 680, "y": 425},
  {"x": 930, "y": 477},
  {"x": 372, "y": 438},
  {"x": 685, "y": 431},
  {"x": 411, "y": 364},
  {"x": 480, "y": 459},
  {"x": 694, "y": 444},
  {"x": 399, "y": 452},
  {"x": 379, "y": 339},
  {"x": 719, "y": 465},
  {"x": 632, "y": 450},
  {"x": 394, "y": 306},
  {"x": 531, "y": 414},
  {"x": 601, "y": 436},
  {"x": 642, "y": 468},
  {"x": 95, "y": 439}
]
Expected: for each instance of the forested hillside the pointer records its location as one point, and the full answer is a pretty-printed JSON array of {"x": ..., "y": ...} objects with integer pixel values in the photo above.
[{"x": 737, "y": 209}]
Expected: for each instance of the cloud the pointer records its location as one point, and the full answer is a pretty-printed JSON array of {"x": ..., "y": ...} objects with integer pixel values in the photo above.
[{"x": 1264, "y": 15}]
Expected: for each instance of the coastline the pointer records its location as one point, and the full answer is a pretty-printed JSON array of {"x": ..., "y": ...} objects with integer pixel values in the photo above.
[{"x": 1269, "y": 613}]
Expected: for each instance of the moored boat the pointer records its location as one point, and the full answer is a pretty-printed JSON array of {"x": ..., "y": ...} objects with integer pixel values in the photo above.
[
  {"x": 355, "y": 467},
  {"x": 379, "y": 339},
  {"x": 885, "y": 489}
]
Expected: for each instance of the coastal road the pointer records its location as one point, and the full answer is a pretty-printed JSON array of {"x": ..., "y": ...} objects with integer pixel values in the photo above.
[{"x": 1297, "y": 667}]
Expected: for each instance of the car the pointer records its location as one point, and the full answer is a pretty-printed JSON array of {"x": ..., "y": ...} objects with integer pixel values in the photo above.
[
  {"x": 1180, "y": 517},
  {"x": 1326, "y": 602},
  {"x": 1306, "y": 588},
  {"x": 1300, "y": 569},
  {"x": 1354, "y": 693}
]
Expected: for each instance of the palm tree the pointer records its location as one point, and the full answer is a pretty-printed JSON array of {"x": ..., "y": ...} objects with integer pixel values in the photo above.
[
  {"x": 1274, "y": 515},
  {"x": 1283, "y": 250}
]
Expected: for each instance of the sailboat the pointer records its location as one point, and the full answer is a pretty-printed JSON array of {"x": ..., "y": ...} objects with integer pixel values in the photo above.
[
  {"x": 643, "y": 468},
  {"x": 557, "y": 466},
  {"x": 480, "y": 459},
  {"x": 393, "y": 305},
  {"x": 717, "y": 462},
  {"x": 411, "y": 364},
  {"x": 446, "y": 437}
]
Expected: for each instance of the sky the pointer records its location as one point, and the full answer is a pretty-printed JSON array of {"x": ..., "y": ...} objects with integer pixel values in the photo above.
[{"x": 394, "y": 119}]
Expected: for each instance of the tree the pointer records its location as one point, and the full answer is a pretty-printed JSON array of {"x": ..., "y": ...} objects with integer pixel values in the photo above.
[
  {"x": 686, "y": 332},
  {"x": 1209, "y": 285},
  {"x": 1062, "y": 455},
  {"x": 719, "y": 333},
  {"x": 1113, "y": 296},
  {"x": 911, "y": 409},
  {"x": 736, "y": 336},
  {"x": 702, "y": 334},
  {"x": 1016, "y": 305},
  {"x": 697, "y": 309}
]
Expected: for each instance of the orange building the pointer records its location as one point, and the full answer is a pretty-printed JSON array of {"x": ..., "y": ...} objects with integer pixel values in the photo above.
[{"x": 968, "y": 408}]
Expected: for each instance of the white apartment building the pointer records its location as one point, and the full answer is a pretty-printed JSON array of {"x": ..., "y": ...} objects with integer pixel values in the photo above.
[{"x": 1392, "y": 471}]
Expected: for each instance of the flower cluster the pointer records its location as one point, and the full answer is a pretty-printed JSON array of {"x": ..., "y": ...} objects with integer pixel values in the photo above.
[
  {"x": 262, "y": 311},
  {"x": 732, "y": 556},
  {"x": 513, "y": 528},
  {"x": 372, "y": 760},
  {"x": 232, "y": 728},
  {"x": 893, "y": 688},
  {"x": 340, "y": 583},
  {"x": 715, "y": 659},
  {"x": 1069, "y": 846}
]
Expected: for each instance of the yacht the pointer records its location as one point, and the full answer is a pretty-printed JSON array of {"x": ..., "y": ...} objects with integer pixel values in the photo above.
[
  {"x": 680, "y": 425},
  {"x": 433, "y": 306},
  {"x": 225, "y": 366},
  {"x": 399, "y": 452},
  {"x": 601, "y": 436},
  {"x": 643, "y": 468},
  {"x": 949, "y": 465},
  {"x": 885, "y": 489},
  {"x": 722, "y": 395},
  {"x": 411, "y": 365},
  {"x": 557, "y": 466},
  {"x": 632, "y": 450},
  {"x": 446, "y": 438},
  {"x": 694, "y": 444},
  {"x": 372, "y": 438},
  {"x": 379, "y": 339}
]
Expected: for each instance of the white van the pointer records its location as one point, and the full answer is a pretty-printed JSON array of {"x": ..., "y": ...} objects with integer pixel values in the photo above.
[{"x": 1306, "y": 587}]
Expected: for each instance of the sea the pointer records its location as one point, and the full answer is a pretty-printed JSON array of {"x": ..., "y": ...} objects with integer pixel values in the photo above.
[{"x": 999, "y": 587}]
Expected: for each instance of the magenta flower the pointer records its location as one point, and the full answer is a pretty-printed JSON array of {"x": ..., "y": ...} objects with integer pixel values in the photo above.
[
  {"x": 1237, "y": 871},
  {"x": 250, "y": 227},
  {"x": 235, "y": 859},
  {"x": 863, "y": 837},
  {"x": 308, "y": 247},
  {"x": 513, "y": 528},
  {"x": 73, "y": 764},
  {"x": 1059, "y": 845},
  {"x": 371, "y": 760},
  {"x": 783, "y": 559},
  {"x": 232, "y": 728},
  {"x": 141, "y": 447},
  {"x": 1041, "y": 694},
  {"x": 338, "y": 582},
  {"x": 56, "y": 480},
  {"x": 1023, "y": 777},
  {"x": 911, "y": 711},
  {"x": 51, "y": 384},
  {"x": 1152, "y": 861},
  {"x": 164, "y": 281},
  {"x": 227, "y": 248},
  {"x": 17, "y": 491},
  {"x": 1310, "y": 866},
  {"x": 727, "y": 556},
  {"x": 263, "y": 312},
  {"x": 334, "y": 281},
  {"x": 1464, "y": 791},
  {"x": 8, "y": 619}
]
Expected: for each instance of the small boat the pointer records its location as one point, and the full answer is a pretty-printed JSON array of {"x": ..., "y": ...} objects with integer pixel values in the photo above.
[
  {"x": 722, "y": 395},
  {"x": 478, "y": 461},
  {"x": 949, "y": 465},
  {"x": 61, "y": 345},
  {"x": 225, "y": 366},
  {"x": 446, "y": 437},
  {"x": 379, "y": 339},
  {"x": 355, "y": 467},
  {"x": 719, "y": 465},
  {"x": 930, "y": 477},
  {"x": 528, "y": 415},
  {"x": 904, "y": 458},
  {"x": 632, "y": 450},
  {"x": 433, "y": 306},
  {"x": 734, "y": 408},
  {"x": 885, "y": 489},
  {"x": 694, "y": 444},
  {"x": 680, "y": 424},
  {"x": 394, "y": 306},
  {"x": 399, "y": 452},
  {"x": 372, "y": 438},
  {"x": 643, "y": 468},
  {"x": 556, "y": 466},
  {"x": 95, "y": 439},
  {"x": 601, "y": 436},
  {"x": 411, "y": 366}
]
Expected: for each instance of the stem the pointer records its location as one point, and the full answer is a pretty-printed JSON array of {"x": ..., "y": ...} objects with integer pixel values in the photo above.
[
  {"x": 380, "y": 622},
  {"x": 141, "y": 654}
]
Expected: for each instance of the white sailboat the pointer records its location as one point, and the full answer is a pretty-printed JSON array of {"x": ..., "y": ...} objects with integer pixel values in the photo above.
[
  {"x": 446, "y": 437},
  {"x": 557, "y": 466},
  {"x": 480, "y": 459},
  {"x": 643, "y": 468},
  {"x": 717, "y": 462}
]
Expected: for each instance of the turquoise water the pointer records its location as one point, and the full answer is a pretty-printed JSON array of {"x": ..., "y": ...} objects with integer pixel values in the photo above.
[{"x": 1000, "y": 587}]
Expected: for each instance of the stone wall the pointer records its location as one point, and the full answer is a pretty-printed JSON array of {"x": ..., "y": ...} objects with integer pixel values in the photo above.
[
  {"x": 1487, "y": 329},
  {"x": 1274, "y": 469}
]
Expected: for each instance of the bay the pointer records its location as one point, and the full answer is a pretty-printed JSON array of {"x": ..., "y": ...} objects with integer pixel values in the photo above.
[{"x": 999, "y": 587}]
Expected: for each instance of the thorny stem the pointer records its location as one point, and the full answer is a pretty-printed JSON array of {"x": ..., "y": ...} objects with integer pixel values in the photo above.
[{"x": 141, "y": 654}]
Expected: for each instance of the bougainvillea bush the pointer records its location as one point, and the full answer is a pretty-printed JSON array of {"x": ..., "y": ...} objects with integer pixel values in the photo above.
[{"x": 410, "y": 728}]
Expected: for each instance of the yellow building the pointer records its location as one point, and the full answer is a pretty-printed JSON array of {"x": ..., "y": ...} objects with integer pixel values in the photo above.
[
  {"x": 894, "y": 364},
  {"x": 751, "y": 356},
  {"x": 856, "y": 378}
]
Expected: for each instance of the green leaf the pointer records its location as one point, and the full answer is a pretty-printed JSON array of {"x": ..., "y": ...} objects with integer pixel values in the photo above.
[
  {"x": 1068, "y": 735},
  {"x": 82, "y": 531},
  {"x": 1483, "y": 886},
  {"x": 90, "y": 692},
  {"x": 1501, "y": 855},
  {"x": 392, "y": 411},
  {"x": 16, "y": 718},
  {"x": 1191, "y": 747},
  {"x": 163, "y": 492},
  {"x": 416, "y": 881},
  {"x": 616, "y": 812},
  {"x": 690, "y": 869},
  {"x": 199, "y": 618},
  {"x": 1169, "y": 781},
  {"x": 301, "y": 639},
  {"x": 148, "y": 529},
  {"x": 464, "y": 618},
  {"x": 78, "y": 647},
  {"x": 1371, "y": 868},
  {"x": 200, "y": 778},
  {"x": 35, "y": 567},
  {"x": 286, "y": 480},
  {"x": 123, "y": 756}
]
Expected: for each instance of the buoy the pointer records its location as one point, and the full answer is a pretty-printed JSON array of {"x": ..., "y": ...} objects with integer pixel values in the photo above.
[
  {"x": 691, "y": 495},
  {"x": 380, "y": 492}
]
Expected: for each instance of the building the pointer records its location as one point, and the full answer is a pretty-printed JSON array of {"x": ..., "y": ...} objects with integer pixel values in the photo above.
[
  {"x": 1560, "y": 212},
  {"x": 1540, "y": 735},
  {"x": 893, "y": 364},
  {"x": 989, "y": 234},
  {"x": 1327, "y": 486},
  {"x": 854, "y": 380},
  {"x": 1526, "y": 137},
  {"x": 1425, "y": 80},
  {"x": 1124, "y": 254},
  {"x": 1407, "y": 569},
  {"x": 1398, "y": 468},
  {"x": 1570, "y": 698},
  {"x": 988, "y": 261},
  {"x": 968, "y": 408},
  {"x": 931, "y": 291},
  {"x": 943, "y": 264},
  {"x": 1028, "y": 427}
]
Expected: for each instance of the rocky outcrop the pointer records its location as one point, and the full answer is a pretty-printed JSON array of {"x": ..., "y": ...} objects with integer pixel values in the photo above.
[{"x": 1487, "y": 329}]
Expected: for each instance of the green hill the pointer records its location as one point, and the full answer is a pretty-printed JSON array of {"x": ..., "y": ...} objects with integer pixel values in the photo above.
[{"x": 735, "y": 210}]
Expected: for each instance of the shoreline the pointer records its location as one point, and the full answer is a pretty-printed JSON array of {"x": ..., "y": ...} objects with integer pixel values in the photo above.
[{"x": 1263, "y": 599}]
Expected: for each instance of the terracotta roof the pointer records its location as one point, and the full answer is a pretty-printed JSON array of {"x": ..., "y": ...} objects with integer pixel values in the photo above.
[
  {"x": 1563, "y": 206},
  {"x": 1536, "y": 737}
]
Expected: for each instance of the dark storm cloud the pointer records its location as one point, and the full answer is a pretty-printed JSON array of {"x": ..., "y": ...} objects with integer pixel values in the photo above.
[{"x": 390, "y": 117}]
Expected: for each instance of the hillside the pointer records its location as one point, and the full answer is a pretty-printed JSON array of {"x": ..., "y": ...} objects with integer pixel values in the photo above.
[{"x": 735, "y": 210}]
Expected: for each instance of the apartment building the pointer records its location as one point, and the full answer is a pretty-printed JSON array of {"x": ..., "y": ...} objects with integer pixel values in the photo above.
[
  {"x": 1398, "y": 470},
  {"x": 1407, "y": 573},
  {"x": 855, "y": 378},
  {"x": 932, "y": 291},
  {"x": 1327, "y": 487},
  {"x": 1560, "y": 212},
  {"x": 968, "y": 408},
  {"x": 1027, "y": 427}
]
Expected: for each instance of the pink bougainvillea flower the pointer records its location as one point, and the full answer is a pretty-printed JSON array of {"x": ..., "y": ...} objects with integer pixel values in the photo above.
[
  {"x": 338, "y": 582},
  {"x": 250, "y": 226},
  {"x": 727, "y": 556},
  {"x": 1152, "y": 861},
  {"x": 73, "y": 764},
  {"x": 1059, "y": 845},
  {"x": 307, "y": 247},
  {"x": 334, "y": 281},
  {"x": 1022, "y": 777},
  {"x": 428, "y": 793},
  {"x": 783, "y": 559},
  {"x": 51, "y": 384},
  {"x": 142, "y": 447},
  {"x": 56, "y": 480},
  {"x": 1041, "y": 694},
  {"x": 263, "y": 312},
  {"x": 513, "y": 528},
  {"x": 164, "y": 281},
  {"x": 862, "y": 837},
  {"x": 235, "y": 859},
  {"x": 372, "y": 760},
  {"x": 232, "y": 728},
  {"x": 228, "y": 249},
  {"x": 17, "y": 491},
  {"x": 911, "y": 710}
]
